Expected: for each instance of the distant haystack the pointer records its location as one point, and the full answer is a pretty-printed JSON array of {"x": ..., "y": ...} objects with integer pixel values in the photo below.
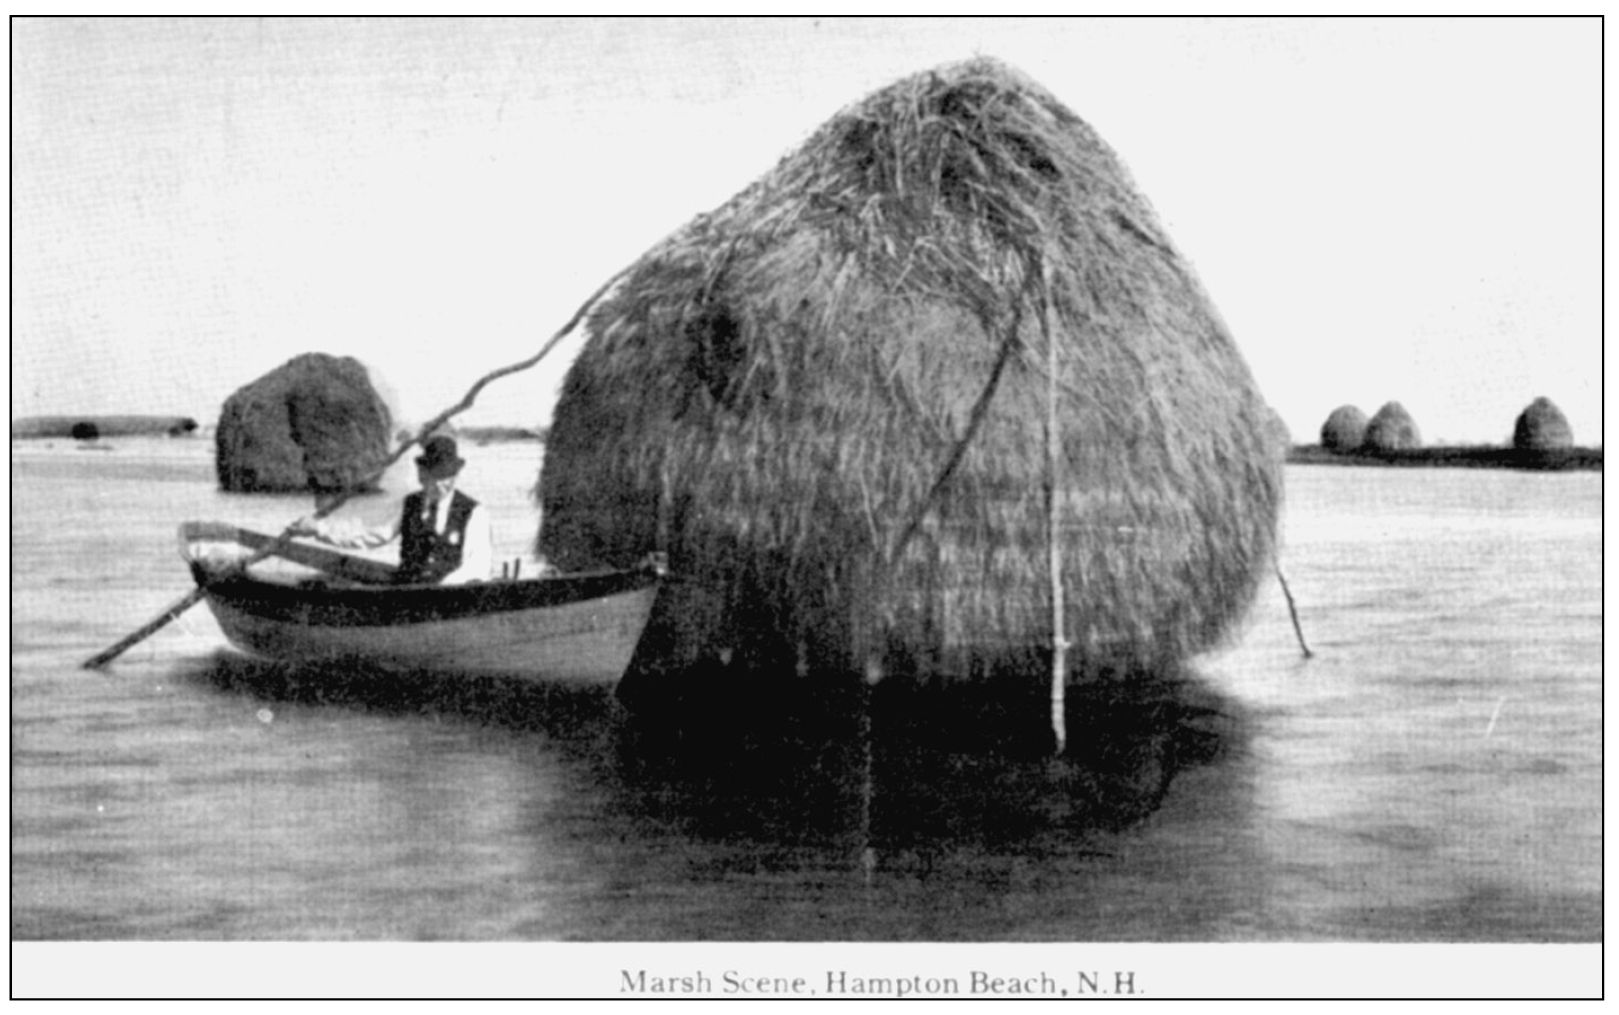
[
  {"x": 1392, "y": 429},
  {"x": 1344, "y": 430},
  {"x": 1542, "y": 427},
  {"x": 827, "y": 401},
  {"x": 313, "y": 423}
]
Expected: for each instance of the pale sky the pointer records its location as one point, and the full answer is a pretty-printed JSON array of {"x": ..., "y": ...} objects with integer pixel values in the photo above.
[{"x": 1381, "y": 209}]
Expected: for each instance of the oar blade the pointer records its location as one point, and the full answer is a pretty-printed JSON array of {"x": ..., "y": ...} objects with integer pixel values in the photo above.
[{"x": 179, "y": 606}]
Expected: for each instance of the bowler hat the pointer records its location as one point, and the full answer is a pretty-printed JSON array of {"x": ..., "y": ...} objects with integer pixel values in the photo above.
[{"x": 438, "y": 457}]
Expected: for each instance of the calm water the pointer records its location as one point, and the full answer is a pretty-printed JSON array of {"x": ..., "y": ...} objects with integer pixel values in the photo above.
[{"x": 1433, "y": 774}]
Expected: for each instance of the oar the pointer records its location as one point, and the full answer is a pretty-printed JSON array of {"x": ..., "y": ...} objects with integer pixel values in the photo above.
[{"x": 191, "y": 598}]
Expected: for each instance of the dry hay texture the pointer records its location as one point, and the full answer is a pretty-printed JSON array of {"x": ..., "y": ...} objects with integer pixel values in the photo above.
[
  {"x": 1542, "y": 427},
  {"x": 1344, "y": 430},
  {"x": 313, "y": 423},
  {"x": 771, "y": 396},
  {"x": 1392, "y": 429}
]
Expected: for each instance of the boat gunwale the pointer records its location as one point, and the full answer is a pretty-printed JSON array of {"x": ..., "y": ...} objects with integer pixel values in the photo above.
[{"x": 318, "y": 603}]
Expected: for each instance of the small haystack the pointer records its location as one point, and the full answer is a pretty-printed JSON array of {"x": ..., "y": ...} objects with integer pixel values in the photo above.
[
  {"x": 313, "y": 423},
  {"x": 827, "y": 401},
  {"x": 1392, "y": 429},
  {"x": 1344, "y": 430},
  {"x": 1542, "y": 427}
]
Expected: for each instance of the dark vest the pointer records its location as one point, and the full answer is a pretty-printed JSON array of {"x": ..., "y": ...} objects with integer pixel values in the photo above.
[{"x": 424, "y": 555}]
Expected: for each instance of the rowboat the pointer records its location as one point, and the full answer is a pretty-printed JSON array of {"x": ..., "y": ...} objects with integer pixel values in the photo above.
[{"x": 309, "y": 604}]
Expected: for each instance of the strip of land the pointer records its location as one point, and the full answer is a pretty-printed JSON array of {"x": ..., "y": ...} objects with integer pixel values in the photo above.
[
  {"x": 1474, "y": 456},
  {"x": 93, "y": 427}
]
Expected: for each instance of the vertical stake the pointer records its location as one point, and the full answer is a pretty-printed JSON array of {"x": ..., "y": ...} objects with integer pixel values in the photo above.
[
  {"x": 1293, "y": 611},
  {"x": 1059, "y": 634},
  {"x": 868, "y": 852}
]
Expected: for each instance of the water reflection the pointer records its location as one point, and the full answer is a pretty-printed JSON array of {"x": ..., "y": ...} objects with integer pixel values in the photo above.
[
  {"x": 549, "y": 811},
  {"x": 804, "y": 767}
]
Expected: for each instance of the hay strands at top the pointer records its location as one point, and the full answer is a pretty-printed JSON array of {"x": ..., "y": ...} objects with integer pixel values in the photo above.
[{"x": 327, "y": 505}]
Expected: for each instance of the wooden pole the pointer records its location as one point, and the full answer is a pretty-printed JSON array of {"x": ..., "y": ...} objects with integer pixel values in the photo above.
[
  {"x": 1293, "y": 611},
  {"x": 1059, "y": 633},
  {"x": 868, "y": 850},
  {"x": 191, "y": 598}
]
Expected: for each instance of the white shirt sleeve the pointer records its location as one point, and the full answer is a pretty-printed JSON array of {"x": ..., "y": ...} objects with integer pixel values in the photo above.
[
  {"x": 477, "y": 553},
  {"x": 347, "y": 535}
]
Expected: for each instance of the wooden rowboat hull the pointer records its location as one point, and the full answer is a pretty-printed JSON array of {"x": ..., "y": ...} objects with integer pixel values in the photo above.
[
  {"x": 588, "y": 640},
  {"x": 569, "y": 628}
]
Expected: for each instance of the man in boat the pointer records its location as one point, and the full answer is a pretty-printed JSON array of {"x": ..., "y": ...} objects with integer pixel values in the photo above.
[{"x": 444, "y": 535}]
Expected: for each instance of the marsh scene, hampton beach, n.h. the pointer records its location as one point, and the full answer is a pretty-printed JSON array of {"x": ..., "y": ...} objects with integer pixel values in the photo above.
[{"x": 911, "y": 539}]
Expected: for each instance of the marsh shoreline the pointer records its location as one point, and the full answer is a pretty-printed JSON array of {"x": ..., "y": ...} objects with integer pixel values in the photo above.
[{"x": 1466, "y": 456}]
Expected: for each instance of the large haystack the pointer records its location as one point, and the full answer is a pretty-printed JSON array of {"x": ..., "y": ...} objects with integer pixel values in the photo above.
[
  {"x": 313, "y": 423},
  {"x": 777, "y": 397},
  {"x": 1542, "y": 427},
  {"x": 1392, "y": 429},
  {"x": 1344, "y": 430}
]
